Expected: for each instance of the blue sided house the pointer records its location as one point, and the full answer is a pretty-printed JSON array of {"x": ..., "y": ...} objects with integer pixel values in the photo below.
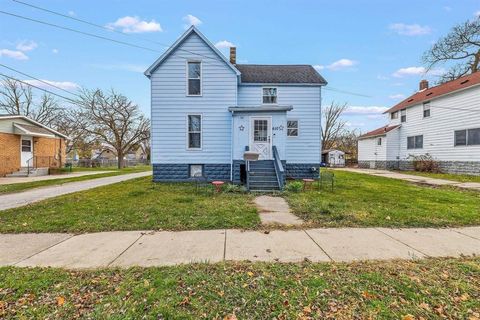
[{"x": 209, "y": 114}]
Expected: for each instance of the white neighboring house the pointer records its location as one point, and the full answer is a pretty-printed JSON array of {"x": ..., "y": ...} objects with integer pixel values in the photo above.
[
  {"x": 333, "y": 158},
  {"x": 441, "y": 121}
]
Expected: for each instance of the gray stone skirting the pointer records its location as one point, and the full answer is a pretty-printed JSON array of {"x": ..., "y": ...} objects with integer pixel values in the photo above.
[
  {"x": 180, "y": 172},
  {"x": 456, "y": 167},
  {"x": 221, "y": 171},
  {"x": 301, "y": 170}
]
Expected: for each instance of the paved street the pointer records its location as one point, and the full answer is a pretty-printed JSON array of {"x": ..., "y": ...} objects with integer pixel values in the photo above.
[
  {"x": 137, "y": 248},
  {"x": 19, "y": 199}
]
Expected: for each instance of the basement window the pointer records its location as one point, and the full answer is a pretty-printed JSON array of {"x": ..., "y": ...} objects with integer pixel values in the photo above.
[{"x": 196, "y": 170}]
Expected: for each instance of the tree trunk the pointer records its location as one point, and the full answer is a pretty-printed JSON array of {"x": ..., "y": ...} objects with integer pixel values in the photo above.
[{"x": 121, "y": 162}]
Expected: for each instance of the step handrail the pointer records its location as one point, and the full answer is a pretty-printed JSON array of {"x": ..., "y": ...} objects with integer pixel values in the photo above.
[
  {"x": 279, "y": 170},
  {"x": 28, "y": 164}
]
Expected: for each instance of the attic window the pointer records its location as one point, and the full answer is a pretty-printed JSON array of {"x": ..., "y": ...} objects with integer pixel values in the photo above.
[{"x": 194, "y": 78}]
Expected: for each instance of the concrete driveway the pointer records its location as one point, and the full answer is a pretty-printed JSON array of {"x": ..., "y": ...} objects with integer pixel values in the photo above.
[{"x": 13, "y": 200}]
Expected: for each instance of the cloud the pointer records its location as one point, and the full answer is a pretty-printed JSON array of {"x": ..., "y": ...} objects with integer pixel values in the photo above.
[
  {"x": 191, "y": 20},
  {"x": 66, "y": 85},
  {"x": 477, "y": 14},
  {"x": 397, "y": 96},
  {"x": 224, "y": 44},
  {"x": 355, "y": 124},
  {"x": 26, "y": 45},
  {"x": 130, "y": 24},
  {"x": 363, "y": 110},
  {"x": 55, "y": 51},
  {"x": 415, "y": 71},
  {"x": 17, "y": 55},
  {"x": 338, "y": 65},
  {"x": 410, "y": 29},
  {"x": 71, "y": 13},
  {"x": 122, "y": 67},
  {"x": 382, "y": 77}
]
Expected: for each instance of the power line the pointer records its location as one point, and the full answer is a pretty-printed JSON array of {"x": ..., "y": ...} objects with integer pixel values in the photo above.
[
  {"x": 78, "y": 31},
  {"x": 127, "y": 43},
  {"x": 106, "y": 28},
  {"x": 36, "y": 87},
  {"x": 40, "y": 80}
]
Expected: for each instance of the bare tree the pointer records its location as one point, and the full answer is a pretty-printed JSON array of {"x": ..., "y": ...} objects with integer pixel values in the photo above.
[
  {"x": 333, "y": 125},
  {"x": 16, "y": 98},
  {"x": 72, "y": 123},
  {"x": 348, "y": 142},
  {"x": 114, "y": 120},
  {"x": 460, "y": 47}
]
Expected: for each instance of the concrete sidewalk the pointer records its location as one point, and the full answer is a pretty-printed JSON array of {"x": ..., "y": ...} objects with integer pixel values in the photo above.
[
  {"x": 415, "y": 178},
  {"x": 137, "y": 248},
  {"x": 19, "y": 199},
  {"x": 15, "y": 180}
]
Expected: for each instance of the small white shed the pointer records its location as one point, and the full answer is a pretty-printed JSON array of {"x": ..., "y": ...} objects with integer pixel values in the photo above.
[{"x": 333, "y": 158}]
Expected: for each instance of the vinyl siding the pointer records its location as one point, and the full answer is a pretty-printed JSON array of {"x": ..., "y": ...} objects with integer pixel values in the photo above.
[
  {"x": 6, "y": 125},
  {"x": 306, "y": 101},
  {"x": 438, "y": 129},
  {"x": 170, "y": 106},
  {"x": 368, "y": 150}
]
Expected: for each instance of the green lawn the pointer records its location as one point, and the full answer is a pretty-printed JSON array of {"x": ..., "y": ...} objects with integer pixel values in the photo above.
[
  {"x": 16, "y": 187},
  {"x": 137, "y": 204},
  {"x": 446, "y": 176},
  {"x": 425, "y": 289},
  {"x": 364, "y": 200}
]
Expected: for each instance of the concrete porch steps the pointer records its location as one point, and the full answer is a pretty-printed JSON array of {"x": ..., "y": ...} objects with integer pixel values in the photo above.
[{"x": 34, "y": 172}]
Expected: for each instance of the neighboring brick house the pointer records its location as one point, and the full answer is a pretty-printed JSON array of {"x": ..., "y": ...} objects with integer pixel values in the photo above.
[{"x": 27, "y": 143}]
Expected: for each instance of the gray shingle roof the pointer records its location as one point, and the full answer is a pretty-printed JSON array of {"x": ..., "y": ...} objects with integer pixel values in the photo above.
[{"x": 261, "y": 73}]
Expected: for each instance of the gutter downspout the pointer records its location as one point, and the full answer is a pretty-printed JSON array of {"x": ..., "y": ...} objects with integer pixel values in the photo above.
[{"x": 231, "y": 146}]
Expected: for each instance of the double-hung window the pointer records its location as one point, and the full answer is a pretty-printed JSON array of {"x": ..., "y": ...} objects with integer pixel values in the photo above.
[
  {"x": 426, "y": 109},
  {"x": 415, "y": 142},
  {"x": 467, "y": 137},
  {"x": 292, "y": 128},
  {"x": 394, "y": 115},
  {"x": 269, "y": 95},
  {"x": 194, "y": 78},
  {"x": 194, "y": 131},
  {"x": 379, "y": 141},
  {"x": 403, "y": 115}
]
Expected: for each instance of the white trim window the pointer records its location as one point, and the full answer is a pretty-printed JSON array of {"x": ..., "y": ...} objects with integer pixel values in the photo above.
[
  {"x": 467, "y": 137},
  {"x": 292, "y": 128},
  {"x": 194, "y": 131},
  {"x": 269, "y": 95},
  {"x": 403, "y": 115},
  {"x": 426, "y": 109},
  {"x": 415, "y": 142},
  {"x": 194, "y": 78},
  {"x": 196, "y": 170},
  {"x": 379, "y": 141},
  {"x": 394, "y": 115}
]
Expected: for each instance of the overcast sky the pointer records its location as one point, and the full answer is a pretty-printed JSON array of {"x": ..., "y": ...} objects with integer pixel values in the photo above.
[{"x": 371, "y": 48}]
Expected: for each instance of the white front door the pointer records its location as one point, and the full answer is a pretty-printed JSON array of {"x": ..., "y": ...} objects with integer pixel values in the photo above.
[
  {"x": 260, "y": 136},
  {"x": 26, "y": 150}
]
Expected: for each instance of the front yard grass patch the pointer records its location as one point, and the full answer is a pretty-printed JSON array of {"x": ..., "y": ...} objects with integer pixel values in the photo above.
[
  {"x": 137, "y": 204},
  {"x": 365, "y": 200},
  {"x": 17, "y": 187},
  {"x": 446, "y": 176},
  {"x": 425, "y": 289}
]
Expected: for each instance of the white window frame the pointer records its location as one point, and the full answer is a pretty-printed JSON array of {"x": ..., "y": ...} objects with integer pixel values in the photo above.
[
  {"x": 379, "y": 141},
  {"x": 401, "y": 116},
  {"x": 187, "y": 129},
  {"x": 190, "y": 170},
  {"x": 425, "y": 109},
  {"x": 298, "y": 129},
  {"x": 276, "y": 100},
  {"x": 467, "y": 144},
  {"x": 415, "y": 141},
  {"x": 188, "y": 78},
  {"x": 394, "y": 115}
]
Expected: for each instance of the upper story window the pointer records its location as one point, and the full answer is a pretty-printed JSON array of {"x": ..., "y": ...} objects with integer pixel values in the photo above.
[
  {"x": 415, "y": 142},
  {"x": 394, "y": 115},
  {"x": 194, "y": 78},
  {"x": 194, "y": 131},
  {"x": 269, "y": 95},
  {"x": 468, "y": 137},
  {"x": 403, "y": 115},
  {"x": 292, "y": 128},
  {"x": 426, "y": 109},
  {"x": 379, "y": 141}
]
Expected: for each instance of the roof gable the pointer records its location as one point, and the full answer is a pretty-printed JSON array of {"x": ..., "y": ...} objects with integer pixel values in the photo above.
[
  {"x": 379, "y": 132},
  {"x": 179, "y": 41},
  {"x": 42, "y": 128},
  {"x": 437, "y": 91}
]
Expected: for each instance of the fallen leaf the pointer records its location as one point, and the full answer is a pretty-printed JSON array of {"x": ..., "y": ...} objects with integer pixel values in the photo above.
[
  {"x": 60, "y": 301},
  {"x": 408, "y": 317},
  {"x": 250, "y": 273}
]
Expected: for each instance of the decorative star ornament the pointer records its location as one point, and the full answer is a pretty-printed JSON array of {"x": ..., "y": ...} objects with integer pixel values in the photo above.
[{"x": 241, "y": 128}]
